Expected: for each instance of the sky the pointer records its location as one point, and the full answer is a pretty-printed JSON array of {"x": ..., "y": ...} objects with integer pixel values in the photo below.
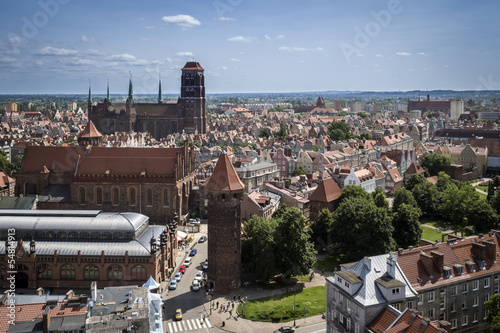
[{"x": 57, "y": 46}]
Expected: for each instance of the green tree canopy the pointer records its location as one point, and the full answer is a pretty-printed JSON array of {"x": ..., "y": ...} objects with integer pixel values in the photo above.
[
  {"x": 361, "y": 229},
  {"x": 339, "y": 130},
  {"x": 298, "y": 172},
  {"x": 381, "y": 202},
  {"x": 427, "y": 197},
  {"x": 415, "y": 179},
  {"x": 407, "y": 230},
  {"x": 282, "y": 133},
  {"x": 493, "y": 306},
  {"x": 354, "y": 191},
  {"x": 434, "y": 163},
  {"x": 322, "y": 225},
  {"x": 265, "y": 132},
  {"x": 401, "y": 196}
]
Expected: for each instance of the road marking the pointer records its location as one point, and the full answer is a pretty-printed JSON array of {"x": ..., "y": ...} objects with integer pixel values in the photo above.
[
  {"x": 320, "y": 331},
  {"x": 184, "y": 324},
  {"x": 189, "y": 325},
  {"x": 174, "y": 326},
  {"x": 169, "y": 327},
  {"x": 198, "y": 323},
  {"x": 208, "y": 322}
]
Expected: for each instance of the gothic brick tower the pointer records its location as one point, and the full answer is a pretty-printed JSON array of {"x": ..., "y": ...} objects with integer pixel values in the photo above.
[
  {"x": 224, "y": 193},
  {"x": 192, "y": 100}
]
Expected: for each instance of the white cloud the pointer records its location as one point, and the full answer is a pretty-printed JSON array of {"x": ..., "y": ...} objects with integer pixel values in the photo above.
[
  {"x": 149, "y": 27},
  {"x": 122, "y": 57},
  {"x": 185, "y": 54},
  {"x": 224, "y": 68},
  {"x": 7, "y": 59},
  {"x": 49, "y": 50},
  {"x": 185, "y": 21},
  {"x": 224, "y": 18},
  {"x": 406, "y": 54},
  {"x": 169, "y": 60},
  {"x": 423, "y": 54},
  {"x": 140, "y": 62},
  {"x": 240, "y": 39},
  {"x": 86, "y": 39},
  {"x": 236, "y": 60},
  {"x": 39, "y": 63},
  {"x": 266, "y": 36},
  {"x": 280, "y": 36},
  {"x": 15, "y": 40},
  {"x": 85, "y": 62},
  {"x": 298, "y": 49},
  {"x": 379, "y": 56},
  {"x": 93, "y": 52}
]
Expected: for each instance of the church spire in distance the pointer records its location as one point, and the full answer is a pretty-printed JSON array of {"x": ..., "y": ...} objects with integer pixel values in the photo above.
[
  {"x": 89, "y": 101},
  {"x": 159, "y": 89},
  {"x": 107, "y": 93},
  {"x": 130, "y": 90}
]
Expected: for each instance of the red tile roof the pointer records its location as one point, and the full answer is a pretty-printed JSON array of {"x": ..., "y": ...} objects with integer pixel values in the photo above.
[
  {"x": 383, "y": 320},
  {"x": 224, "y": 177},
  {"x": 327, "y": 191},
  {"x": 90, "y": 131},
  {"x": 26, "y": 312}
]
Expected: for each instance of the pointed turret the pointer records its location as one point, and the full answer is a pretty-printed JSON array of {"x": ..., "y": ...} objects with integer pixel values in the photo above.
[
  {"x": 159, "y": 90},
  {"x": 224, "y": 177},
  {"x": 130, "y": 90},
  {"x": 89, "y": 101},
  {"x": 107, "y": 93}
]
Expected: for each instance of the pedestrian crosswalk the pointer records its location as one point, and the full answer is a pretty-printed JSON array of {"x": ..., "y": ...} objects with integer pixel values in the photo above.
[{"x": 188, "y": 325}]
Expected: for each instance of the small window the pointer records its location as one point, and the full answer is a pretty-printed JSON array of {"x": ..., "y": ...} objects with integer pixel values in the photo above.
[
  {"x": 165, "y": 197},
  {"x": 487, "y": 282},
  {"x": 81, "y": 196},
  {"x": 149, "y": 197},
  {"x": 395, "y": 291},
  {"x": 98, "y": 196},
  {"x": 132, "y": 196},
  {"x": 116, "y": 196}
]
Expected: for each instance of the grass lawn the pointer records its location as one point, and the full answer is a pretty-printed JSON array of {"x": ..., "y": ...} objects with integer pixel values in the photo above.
[
  {"x": 432, "y": 234},
  {"x": 482, "y": 195},
  {"x": 274, "y": 307},
  {"x": 482, "y": 188}
]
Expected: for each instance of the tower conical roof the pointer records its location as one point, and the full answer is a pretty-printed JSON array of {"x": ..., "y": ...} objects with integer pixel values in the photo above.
[
  {"x": 90, "y": 131},
  {"x": 224, "y": 177}
]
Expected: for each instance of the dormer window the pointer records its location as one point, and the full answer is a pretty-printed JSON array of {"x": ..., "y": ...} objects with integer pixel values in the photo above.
[
  {"x": 447, "y": 271},
  {"x": 471, "y": 266},
  {"x": 458, "y": 268}
]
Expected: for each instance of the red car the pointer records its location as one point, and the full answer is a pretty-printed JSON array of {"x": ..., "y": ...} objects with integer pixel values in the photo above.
[{"x": 182, "y": 269}]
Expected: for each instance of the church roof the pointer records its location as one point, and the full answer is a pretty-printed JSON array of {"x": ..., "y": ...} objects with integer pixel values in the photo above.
[
  {"x": 327, "y": 191},
  {"x": 90, "y": 131},
  {"x": 224, "y": 177},
  {"x": 192, "y": 65}
]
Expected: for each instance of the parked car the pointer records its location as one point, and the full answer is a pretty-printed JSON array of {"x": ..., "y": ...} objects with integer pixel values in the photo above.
[
  {"x": 193, "y": 252},
  {"x": 199, "y": 276},
  {"x": 196, "y": 285},
  {"x": 182, "y": 269},
  {"x": 285, "y": 329},
  {"x": 204, "y": 265},
  {"x": 173, "y": 285},
  {"x": 178, "y": 276},
  {"x": 188, "y": 262},
  {"x": 178, "y": 314},
  {"x": 202, "y": 239}
]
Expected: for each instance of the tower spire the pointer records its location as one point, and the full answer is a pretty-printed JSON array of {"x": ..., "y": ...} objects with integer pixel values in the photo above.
[
  {"x": 107, "y": 93},
  {"x": 130, "y": 90},
  {"x": 159, "y": 88},
  {"x": 89, "y": 101}
]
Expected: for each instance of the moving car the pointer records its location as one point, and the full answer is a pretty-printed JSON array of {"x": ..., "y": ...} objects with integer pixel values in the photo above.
[
  {"x": 193, "y": 252},
  {"x": 178, "y": 276},
  {"x": 196, "y": 285},
  {"x": 182, "y": 269},
  {"x": 284, "y": 329},
  {"x": 199, "y": 276},
  {"x": 188, "y": 262},
  {"x": 178, "y": 314},
  {"x": 173, "y": 285},
  {"x": 202, "y": 239}
]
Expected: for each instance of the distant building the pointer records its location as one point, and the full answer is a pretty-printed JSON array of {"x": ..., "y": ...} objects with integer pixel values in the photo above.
[
  {"x": 10, "y": 107},
  {"x": 452, "y": 108}
]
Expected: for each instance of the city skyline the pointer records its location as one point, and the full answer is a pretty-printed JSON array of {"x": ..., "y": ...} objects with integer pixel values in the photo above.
[{"x": 56, "y": 46}]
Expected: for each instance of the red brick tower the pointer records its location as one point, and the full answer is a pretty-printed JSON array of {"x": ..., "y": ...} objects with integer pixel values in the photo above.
[{"x": 224, "y": 192}]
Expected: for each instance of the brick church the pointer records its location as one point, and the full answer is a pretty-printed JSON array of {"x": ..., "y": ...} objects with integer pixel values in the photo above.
[{"x": 188, "y": 114}]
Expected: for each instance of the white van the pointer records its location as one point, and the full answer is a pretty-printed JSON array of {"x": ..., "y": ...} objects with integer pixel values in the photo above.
[
  {"x": 188, "y": 261},
  {"x": 196, "y": 285}
]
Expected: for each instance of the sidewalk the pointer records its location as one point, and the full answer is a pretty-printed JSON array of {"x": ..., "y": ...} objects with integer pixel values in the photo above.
[{"x": 239, "y": 325}]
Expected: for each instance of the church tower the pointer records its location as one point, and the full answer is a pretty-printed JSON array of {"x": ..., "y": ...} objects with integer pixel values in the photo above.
[
  {"x": 192, "y": 103},
  {"x": 224, "y": 193}
]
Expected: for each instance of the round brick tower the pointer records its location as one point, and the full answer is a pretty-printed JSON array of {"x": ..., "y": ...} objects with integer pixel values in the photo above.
[{"x": 224, "y": 191}]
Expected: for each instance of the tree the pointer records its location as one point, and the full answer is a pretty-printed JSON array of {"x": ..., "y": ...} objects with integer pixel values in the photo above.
[
  {"x": 481, "y": 216},
  {"x": 322, "y": 225},
  {"x": 361, "y": 229},
  {"x": 337, "y": 135},
  {"x": 258, "y": 247},
  {"x": 407, "y": 230},
  {"x": 342, "y": 127},
  {"x": 491, "y": 191},
  {"x": 444, "y": 181},
  {"x": 366, "y": 136},
  {"x": 493, "y": 318},
  {"x": 381, "y": 202},
  {"x": 294, "y": 251},
  {"x": 4, "y": 162},
  {"x": 265, "y": 132},
  {"x": 434, "y": 163},
  {"x": 415, "y": 179},
  {"x": 354, "y": 191},
  {"x": 427, "y": 197},
  {"x": 298, "y": 172},
  {"x": 282, "y": 133},
  {"x": 18, "y": 162},
  {"x": 403, "y": 196}
]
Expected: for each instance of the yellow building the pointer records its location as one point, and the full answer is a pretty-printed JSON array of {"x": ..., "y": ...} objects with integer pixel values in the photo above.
[
  {"x": 467, "y": 156},
  {"x": 11, "y": 107}
]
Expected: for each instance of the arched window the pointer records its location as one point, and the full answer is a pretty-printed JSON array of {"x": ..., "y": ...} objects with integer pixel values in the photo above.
[
  {"x": 81, "y": 196},
  {"x": 132, "y": 196},
  {"x": 68, "y": 272},
  {"x": 91, "y": 272},
  {"x": 98, "y": 196},
  {"x": 72, "y": 235},
  {"x": 139, "y": 272},
  {"x": 116, "y": 196},
  {"x": 149, "y": 197},
  {"x": 44, "y": 271},
  {"x": 115, "y": 272},
  {"x": 84, "y": 235},
  {"x": 165, "y": 197},
  {"x": 95, "y": 235},
  {"x": 62, "y": 235}
]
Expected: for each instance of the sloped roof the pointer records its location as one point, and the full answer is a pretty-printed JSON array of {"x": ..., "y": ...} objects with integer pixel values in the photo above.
[
  {"x": 90, "y": 131},
  {"x": 224, "y": 177},
  {"x": 327, "y": 191},
  {"x": 192, "y": 65}
]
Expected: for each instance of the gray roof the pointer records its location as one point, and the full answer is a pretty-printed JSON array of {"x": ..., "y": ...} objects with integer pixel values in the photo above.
[
  {"x": 70, "y": 220},
  {"x": 17, "y": 202},
  {"x": 256, "y": 166},
  {"x": 55, "y": 193}
]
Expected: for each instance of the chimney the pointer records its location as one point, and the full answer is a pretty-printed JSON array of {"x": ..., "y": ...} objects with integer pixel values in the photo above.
[
  {"x": 425, "y": 321},
  {"x": 391, "y": 265},
  {"x": 368, "y": 263},
  {"x": 46, "y": 319},
  {"x": 70, "y": 294},
  {"x": 400, "y": 250},
  {"x": 40, "y": 291},
  {"x": 438, "y": 259},
  {"x": 490, "y": 250},
  {"x": 445, "y": 325},
  {"x": 427, "y": 261},
  {"x": 480, "y": 249},
  {"x": 93, "y": 290}
]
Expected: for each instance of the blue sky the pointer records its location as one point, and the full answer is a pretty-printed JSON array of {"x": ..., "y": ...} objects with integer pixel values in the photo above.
[{"x": 56, "y": 46}]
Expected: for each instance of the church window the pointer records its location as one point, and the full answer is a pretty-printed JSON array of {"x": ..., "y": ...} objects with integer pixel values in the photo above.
[
  {"x": 98, "y": 196},
  {"x": 149, "y": 197},
  {"x": 139, "y": 272},
  {"x": 81, "y": 196},
  {"x": 91, "y": 272},
  {"x": 165, "y": 197},
  {"x": 44, "y": 271},
  {"x": 68, "y": 272},
  {"x": 116, "y": 196},
  {"x": 115, "y": 272},
  {"x": 132, "y": 196}
]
